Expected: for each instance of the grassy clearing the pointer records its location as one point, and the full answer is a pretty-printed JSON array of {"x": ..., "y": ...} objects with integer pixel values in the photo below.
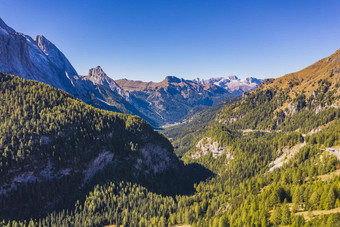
[
  {"x": 307, "y": 215},
  {"x": 328, "y": 176}
]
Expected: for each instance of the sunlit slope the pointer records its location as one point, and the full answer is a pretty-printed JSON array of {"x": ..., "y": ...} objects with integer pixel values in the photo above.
[
  {"x": 307, "y": 79},
  {"x": 303, "y": 100}
]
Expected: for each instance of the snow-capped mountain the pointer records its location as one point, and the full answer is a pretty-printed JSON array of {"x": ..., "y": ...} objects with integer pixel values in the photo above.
[{"x": 232, "y": 83}]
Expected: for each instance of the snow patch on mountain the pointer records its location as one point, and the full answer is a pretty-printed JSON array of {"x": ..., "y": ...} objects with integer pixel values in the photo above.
[{"x": 232, "y": 83}]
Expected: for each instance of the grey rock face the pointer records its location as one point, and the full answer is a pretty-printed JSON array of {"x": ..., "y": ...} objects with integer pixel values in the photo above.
[
  {"x": 34, "y": 59},
  {"x": 57, "y": 58},
  {"x": 98, "y": 77}
]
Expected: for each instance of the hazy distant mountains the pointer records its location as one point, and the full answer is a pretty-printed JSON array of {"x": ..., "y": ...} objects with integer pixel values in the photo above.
[
  {"x": 160, "y": 103},
  {"x": 232, "y": 83},
  {"x": 170, "y": 100}
]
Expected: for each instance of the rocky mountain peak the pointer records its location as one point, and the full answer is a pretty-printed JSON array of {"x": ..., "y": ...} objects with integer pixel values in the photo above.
[
  {"x": 97, "y": 72},
  {"x": 44, "y": 44},
  {"x": 233, "y": 77},
  {"x": 253, "y": 80},
  {"x": 172, "y": 79},
  {"x": 98, "y": 77},
  {"x": 58, "y": 60},
  {"x": 34, "y": 59}
]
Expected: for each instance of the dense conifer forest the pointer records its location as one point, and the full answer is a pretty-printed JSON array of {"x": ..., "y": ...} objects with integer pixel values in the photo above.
[
  {"x": 277, "y": 162},
  {"x": 51, "y": 146}
]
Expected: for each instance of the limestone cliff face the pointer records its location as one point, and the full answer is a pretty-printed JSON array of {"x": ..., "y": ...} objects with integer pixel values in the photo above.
[
  {"x": 34, "y": 59},
  {"x": 56, "y": 57},
  {"x": 98, "y": 77}
]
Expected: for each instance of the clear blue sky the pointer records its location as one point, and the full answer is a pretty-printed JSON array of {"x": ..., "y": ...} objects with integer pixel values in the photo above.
[{"x": 148, "y": 40}]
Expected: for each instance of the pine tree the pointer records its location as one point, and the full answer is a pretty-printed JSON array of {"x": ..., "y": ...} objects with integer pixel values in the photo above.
[
  {"x": 223, "y": 221},
  {"x": 286, "y": 219},
  {"x": 331, "y": 199},
  {"x": 275, "y": 217}
]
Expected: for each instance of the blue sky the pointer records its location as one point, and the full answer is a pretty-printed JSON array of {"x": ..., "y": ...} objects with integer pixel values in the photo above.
[{"x": 147, "y": 40}]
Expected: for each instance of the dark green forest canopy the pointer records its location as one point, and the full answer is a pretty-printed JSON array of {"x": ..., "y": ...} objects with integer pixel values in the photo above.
[
  {"x": 253, "y": 200},
  {"x": 37, "y": 119},
  {"x": 244, "y": 192},
  {"x": 45, "y": 131}
]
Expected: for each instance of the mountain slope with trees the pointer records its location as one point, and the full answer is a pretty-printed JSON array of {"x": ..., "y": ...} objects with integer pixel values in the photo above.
[
  {"x": 251, "y": 134},
  {"x": 52, "y": 145},
  {"x": 270, "y": 158}
]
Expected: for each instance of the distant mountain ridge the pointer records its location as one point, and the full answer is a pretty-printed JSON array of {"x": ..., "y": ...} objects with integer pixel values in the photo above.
[
  {"x": 232, "y": 83},
  {"x": 170, "y": 100},
  {"x": 160, "y": 103}
]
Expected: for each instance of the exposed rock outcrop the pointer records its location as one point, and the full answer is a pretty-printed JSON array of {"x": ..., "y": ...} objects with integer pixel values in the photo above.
[{"x": 206, "y": 146}]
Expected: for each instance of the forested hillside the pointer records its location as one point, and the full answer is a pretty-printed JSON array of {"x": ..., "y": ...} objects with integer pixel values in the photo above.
[
  {"x": 266, "y": 198},
  {"x": 275, "y": 155},
  {"x": 185, "y": 134},
  {"x": 53, "y": 148}
]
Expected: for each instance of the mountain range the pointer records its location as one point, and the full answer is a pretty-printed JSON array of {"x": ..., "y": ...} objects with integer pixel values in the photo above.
[
  {"x": 268, "y": 157},
  {"x": 232, "y": 84},
  {"x": 274, "y": 154},
  {"x": 160, "y": 103}
]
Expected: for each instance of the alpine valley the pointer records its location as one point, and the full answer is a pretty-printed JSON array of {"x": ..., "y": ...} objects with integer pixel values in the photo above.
[
  {"x": 41, "y": 60},
  {"x": 227, "y": 151}
]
